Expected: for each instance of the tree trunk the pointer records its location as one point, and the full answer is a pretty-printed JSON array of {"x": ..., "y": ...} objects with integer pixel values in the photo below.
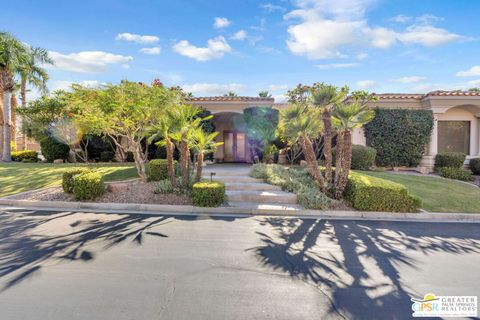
[
  {"x": 184, "y": 164},
  {"x": 170, "y": 165},
  {"x": 23, "y": 97},
  {"x": 339, "y": 159},
  {"x": 198, "y": 176},
  {"x": 6, "y": 154},
  {"x": 312, "y": 163},
  {"x": 14, "y": 104},
  {"x": 327, "y": 145},
  {"x": 139, "y": 160},
  {"x": 347, "y": 141}
]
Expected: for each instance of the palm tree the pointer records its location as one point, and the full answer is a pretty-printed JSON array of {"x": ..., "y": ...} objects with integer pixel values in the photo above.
[
  {"x": 324, "y": 97},
  {"x": 346, "y": 117},
  {"x": 163, "y": 130},
  {"x": 230, "y": 94},
  {"x": 13, "y": 56},
  {"x": 264, "y": 94},
  {"x": 301, "y": 123},
  {"x": 204, "y": 143},
  {"x": 32, "y": 73}
]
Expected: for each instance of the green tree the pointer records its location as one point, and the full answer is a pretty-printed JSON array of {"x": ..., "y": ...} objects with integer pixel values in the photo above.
[
  {"x": 13, "y": 56},
  {"x": 230, "y": 94},
  {"x": 162, "y": 132},
  {"x": 264, "y": 94},
  {"x": 203, "y": 143}
]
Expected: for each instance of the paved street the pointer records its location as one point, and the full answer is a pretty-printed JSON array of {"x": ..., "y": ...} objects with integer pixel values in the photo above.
[{"x": 108, "y": 266}]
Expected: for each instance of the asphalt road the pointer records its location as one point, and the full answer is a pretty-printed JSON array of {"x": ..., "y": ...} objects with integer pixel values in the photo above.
[{"x": 108, "y": 266}]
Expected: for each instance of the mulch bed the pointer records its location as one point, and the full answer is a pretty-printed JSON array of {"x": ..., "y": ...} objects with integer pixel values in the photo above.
[{"x": 135, "y": 192}]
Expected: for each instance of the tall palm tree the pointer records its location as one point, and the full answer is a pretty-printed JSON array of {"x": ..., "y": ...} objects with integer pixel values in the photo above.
[
  {"x": 301, "y": 123},
  {"x": 13, "y": 56},
  {"x": 203, "y": 143},
  {"x": 346, "y": 117},
  {"x": 162, "y": 131},
  {"x": 32, "y": 73},
  {"x": 325, "y": 97}
]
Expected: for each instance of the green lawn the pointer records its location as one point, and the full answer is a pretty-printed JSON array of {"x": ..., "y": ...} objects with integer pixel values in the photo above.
[
  {"x": 19, "y": 177},
  {"x": 438, "y": 195}
]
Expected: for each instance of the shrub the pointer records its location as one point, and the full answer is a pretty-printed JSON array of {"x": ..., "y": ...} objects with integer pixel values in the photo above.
[
  {"x": 259, "y": 171},
  {"x": 475, "y": 165},
  {"x": 52, "y": 149},
  {"x": 158, "y": 169},
  {"x": 449, "y": 159},
  {"x": 129, "y": 157},
  {"x": 88, "y": 186},
  {"x": 98, "y": 144},
  {"x": 163, "y": 186},
  {"x": 399, "y": 136},
  {"x": 67, "y": 178},
  {"x": 312, "y": 198},
  {"x": 208, "y": 193},
  {"x": 107, "y": 156},
  {"x": 374, "y": 194},
  {"x": 25, "y": 155},
  {"x": 363, "y": 158},
  {"x": 456, "y": 173}
]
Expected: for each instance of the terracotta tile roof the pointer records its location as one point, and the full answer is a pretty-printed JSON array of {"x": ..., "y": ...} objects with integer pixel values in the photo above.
[
  {"x": 416, "y": 96},
  {"x": 260, "y": 99},
  {"x": 420, "y": 96},
  {"x": 453, "y": 93}
]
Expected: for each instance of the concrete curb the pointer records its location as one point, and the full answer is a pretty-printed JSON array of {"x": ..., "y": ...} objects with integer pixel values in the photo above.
[{"x": 157, "y": 209}]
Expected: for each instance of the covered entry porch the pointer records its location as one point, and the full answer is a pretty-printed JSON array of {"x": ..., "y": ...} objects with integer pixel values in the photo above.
[{"x": 232, "y": 133}]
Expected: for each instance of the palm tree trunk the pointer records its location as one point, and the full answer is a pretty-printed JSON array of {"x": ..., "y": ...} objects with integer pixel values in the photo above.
[
  {"x": 198, "y": 176},
  {"x": 347, "y": 160},
  {"x": 312, "y": 163},
  {"x": 23, "y": 97},
  {"x": 6, "y": 154},
  {"x": 184, "y": 163},
  {"x": 14, "y": 104},
  {"x": 327, "y": 144},
  {"x": 170, "y": 166},
  {"x": 339, "y": 159}
]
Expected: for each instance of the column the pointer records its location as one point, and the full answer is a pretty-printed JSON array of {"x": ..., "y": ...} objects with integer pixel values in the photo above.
[{"x": 433, "y": 146}]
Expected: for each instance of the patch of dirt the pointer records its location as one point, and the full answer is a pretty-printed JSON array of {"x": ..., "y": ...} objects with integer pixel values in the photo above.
[{"x": 136, "y": 192}]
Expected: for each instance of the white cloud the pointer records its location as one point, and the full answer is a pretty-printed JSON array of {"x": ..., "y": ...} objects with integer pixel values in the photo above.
[
  {"x": 474, "y": 83},
  {"x": 66, "y": 85},
  {"x": 136, "y": 38},
  {"x": 239, "y": 35},
  {"x": 472, "y": 72},
  {"x": 279, "y": 98},
  {"x": 213, "y": 88},
  {"x": 362, "y": 56},
  {"x": 151, "y": 51},
  {"x": 410, "y": 79},
  {"x": 270, "y": 7},
  {"x": 366, "y": 84},
  {"x": 401, "y": 18},
  {"x": 277, "y": 87},
  {"x": 87, "y": 61},
  {"x": 336, "y": 66},
  {"x": 310, "y": 33},
  {"x": 216, "y": 49},
  {"x": 221, "y": 22}
]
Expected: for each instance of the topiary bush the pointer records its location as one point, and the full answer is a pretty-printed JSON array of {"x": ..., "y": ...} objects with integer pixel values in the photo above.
[
  {"x": 88, "y": 186},
  {"x": 25, "y": 155},
  {"x": 158, "y": 169},
  {"x": 52, "y": 149},
  {"x": 449, "y": 159},
  {"x": 475, "y": 165},
  {"x": 374, "y": 194},
  {"x": 399, "y": 136},
  {"x": 456, "y": 173},
  {"x": 107, "y": 156},
  {"x": 67, "y": 178},
  {"x": 208, "y": 193},
  {"x": 363, "y": 158}
]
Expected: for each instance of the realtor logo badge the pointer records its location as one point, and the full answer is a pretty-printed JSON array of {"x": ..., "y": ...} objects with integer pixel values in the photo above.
[{"x": 444, "y": 306}]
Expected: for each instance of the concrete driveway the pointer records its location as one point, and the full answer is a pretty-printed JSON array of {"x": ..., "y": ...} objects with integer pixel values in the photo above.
[{"x": 117, "y": 266}]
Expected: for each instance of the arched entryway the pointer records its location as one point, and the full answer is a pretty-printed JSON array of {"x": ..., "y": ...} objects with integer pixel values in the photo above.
[{"x": 231, "y": 128}]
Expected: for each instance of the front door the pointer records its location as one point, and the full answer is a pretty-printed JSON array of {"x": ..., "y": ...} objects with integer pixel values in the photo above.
[{"x": 234, "y": 146}]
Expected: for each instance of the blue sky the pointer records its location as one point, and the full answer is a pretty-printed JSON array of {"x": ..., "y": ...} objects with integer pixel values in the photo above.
[{"x": 210, "y": 47}]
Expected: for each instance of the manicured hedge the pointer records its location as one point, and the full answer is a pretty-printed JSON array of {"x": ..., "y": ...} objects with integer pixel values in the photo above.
[
  {"x": 25, "y": 155},
  {"x": 375, "y": 194},
  {"x": 456, "y": 173},
  {"x": 158, "y": 169},
  {"x": 475, "y": 165},
  {"x": 67, "y": 178},
  {"x": 208, "y": 194},
  {"x": 52, "y": 149},
  {"x": 88, "y": 186},
  {"x": 449, "y": 159},
  {"x": 363, "y": 158},
  {"x": 399, "y": 136}
]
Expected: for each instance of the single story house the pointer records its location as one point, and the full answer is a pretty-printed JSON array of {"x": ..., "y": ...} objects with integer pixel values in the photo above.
[{"x": 456, "y": 126}]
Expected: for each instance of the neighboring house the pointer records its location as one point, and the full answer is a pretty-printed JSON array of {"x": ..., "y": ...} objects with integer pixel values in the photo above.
[{"x": 456, "y": 127}]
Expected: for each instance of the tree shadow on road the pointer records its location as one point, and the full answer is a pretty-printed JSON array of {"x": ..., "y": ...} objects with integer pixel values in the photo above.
[{"x": 354, "y": 263}]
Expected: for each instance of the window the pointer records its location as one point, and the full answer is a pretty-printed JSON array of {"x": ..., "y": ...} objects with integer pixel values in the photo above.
[{"x": 454, "y": 136}]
